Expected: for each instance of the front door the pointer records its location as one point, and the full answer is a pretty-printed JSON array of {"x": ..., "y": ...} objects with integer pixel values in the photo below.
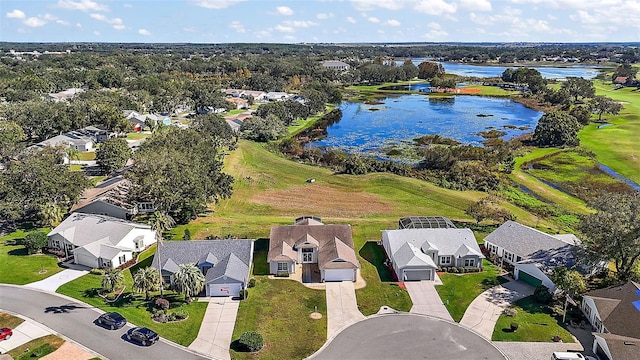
[{"x": 307, "y": 257}]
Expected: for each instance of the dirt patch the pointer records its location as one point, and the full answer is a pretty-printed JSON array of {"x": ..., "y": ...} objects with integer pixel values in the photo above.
[{"x": 323, "y": 201}]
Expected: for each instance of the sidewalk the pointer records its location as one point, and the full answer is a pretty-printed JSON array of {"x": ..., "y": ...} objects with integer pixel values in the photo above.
[{"x": 214, "y": 337}]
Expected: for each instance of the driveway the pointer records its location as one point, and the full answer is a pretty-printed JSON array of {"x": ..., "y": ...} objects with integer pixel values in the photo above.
[
  {"x": 342, "y": 308},
  {"x": 53, "y": 282},
  {"x": 484, "y": 311},
  {"x": 214, "y": 337},
  {"x": 22, "y": 334},
  {"x": 535, "y": 350},
  {"x": 426, "y": 300},
  {"x": 407, "y": 336}
]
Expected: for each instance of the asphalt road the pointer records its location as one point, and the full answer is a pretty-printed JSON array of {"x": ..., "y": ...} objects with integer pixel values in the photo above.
[
  {"x": 406, "y": 336},
  {"x": 76, "y": 321}
]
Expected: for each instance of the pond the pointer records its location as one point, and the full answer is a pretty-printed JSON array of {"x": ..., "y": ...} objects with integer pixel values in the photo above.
[
  {"x": 397, "y": 120},
  {"x": 547, "y": 72}
]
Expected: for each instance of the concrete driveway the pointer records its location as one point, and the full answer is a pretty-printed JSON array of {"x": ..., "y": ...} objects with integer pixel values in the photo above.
[
  {"x": 534, "y": 350},
  {"x": 216, "y": 330},
  {"x": 342, "y": 308},
  {"x": 484, "y": 311},
  {"x": 22, "y": 334},
  {"x": 53, "y": 282},
  {"x": 426, "y": 300}
]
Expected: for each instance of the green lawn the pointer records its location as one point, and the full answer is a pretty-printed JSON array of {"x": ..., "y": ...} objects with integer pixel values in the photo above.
[
  {"x": 17, "y": 267},
  {"x": 458, "y": 291},
  {"x": 536, "y": 324},
  {"x": 35, "y": 349},
  {"x": 133, "y": 307},
  {"x": 86, "y": 155},
  {"x": 137, "y": 136},
  {"x": 9, "y": 321},
  {"x": 279, "y": 310}
]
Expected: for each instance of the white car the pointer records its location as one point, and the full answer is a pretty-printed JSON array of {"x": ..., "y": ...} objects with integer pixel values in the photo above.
[{"x": 561, "y": 355}]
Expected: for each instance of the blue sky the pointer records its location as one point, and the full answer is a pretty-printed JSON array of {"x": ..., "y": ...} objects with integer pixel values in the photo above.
[{"x": 250, "y": 21}]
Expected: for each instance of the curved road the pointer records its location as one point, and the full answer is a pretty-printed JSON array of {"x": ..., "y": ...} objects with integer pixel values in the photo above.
[{"x": 75, "y": 321}]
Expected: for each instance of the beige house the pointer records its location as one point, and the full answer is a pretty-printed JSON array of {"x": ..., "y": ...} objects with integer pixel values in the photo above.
[{"x": 313, "y": 244}]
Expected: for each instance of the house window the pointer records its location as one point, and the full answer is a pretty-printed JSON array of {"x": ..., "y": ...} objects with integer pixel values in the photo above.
[
  {"x": 469, "y": 262},
  {"x": 518, "y": 258},
  {"x": 283, "y": 266},
  {"x": 587, "y": 311},
  {"x": 122, "y": 259},
  {"x": 445, "y": 260}
]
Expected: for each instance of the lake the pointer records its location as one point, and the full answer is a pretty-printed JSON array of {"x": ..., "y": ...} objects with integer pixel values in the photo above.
[
  {"x": 547, "y": 72},
  {"x": 370, "y": 128}
]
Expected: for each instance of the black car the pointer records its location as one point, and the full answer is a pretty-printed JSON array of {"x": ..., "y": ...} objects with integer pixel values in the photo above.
[
  {"x": 143, "y": 335},
  {"x": 112, "y": 320}
]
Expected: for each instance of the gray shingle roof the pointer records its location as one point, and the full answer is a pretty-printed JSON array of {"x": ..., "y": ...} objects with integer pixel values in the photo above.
[
  {"x": 534, "y": 246},
  {"x": 230, "y": 257},
  {"x": 82, "y": 229}
]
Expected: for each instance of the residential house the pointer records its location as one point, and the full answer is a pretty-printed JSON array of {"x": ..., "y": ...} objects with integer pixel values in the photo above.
[
  {"x": 532, "y": 253},
  {"x": 422, "y": 244},
  {"x": 110, "y": 197},
  {"x": 98, "y": 134},
  {"x": 258, "y": 96},
  {"x": 100, "y": 241},
  {"x": 614, "y": 313},
  {"x": 278, "y": 96},
  {"x": 65, "y": 95},
  {"x": 224, "y": 263},
  {"x": 325, "y": 247},
  {"x": 73, "y": 139},
  {"x": 239, "y": 103},
  {"x": 335, "y": 65}
]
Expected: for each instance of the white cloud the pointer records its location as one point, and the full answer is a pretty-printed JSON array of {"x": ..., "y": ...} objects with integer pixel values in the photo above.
[
  {"x": 393, "y": 22},
  {"x": 351, "y": 20},
  {"x": 96, "y": 33},
  {"x": 34, "y": 22},
  {"x": 216, "y": 4},
  {"x": 82, "y": 5},
  {"x": 128, "y": 6},
  {"x": 324, "y": 16},
  {"x": 374, "y": 20},
  {"x": 282, "y": 28},
  {"x": 62, "y": 22},
  {"x": 435, "y": 7},
  {"x": 49, "y": 17},
  {"x": 372, "y": 4},
  {"x": 116, "y": 23},
  {"x": 476, "y": 5},
  {"x": 189, "y": 29},
  {"x": 299, "y": 23},
  {"x": 78, "y": 25},
  {"x": 16, "y": 14},
  {"x": 144, "y": 32},
  {"x": 284, "y": 10},
  {"x": 237, "y": 26},
  {"x": 435, "y": 31}
]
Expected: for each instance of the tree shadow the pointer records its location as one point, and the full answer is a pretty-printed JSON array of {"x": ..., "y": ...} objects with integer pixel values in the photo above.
[
  {"x": 62, "y": 309},
  {"x": 376, "y": 255},
  {"x": 237, "y": 347},
  {"x": 18, "y": 252}
]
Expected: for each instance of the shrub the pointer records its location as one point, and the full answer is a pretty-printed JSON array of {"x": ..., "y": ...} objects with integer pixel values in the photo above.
[
  {"x": 187, "y": 234},
  {"x": 542, "y": 295},
  {"x": 460, "y": 270},
  {"x": 514, "y": 326},
  {"x": 251, "y": 283},
  {"x": 243, "y": 294},
  {"x": 282, "y": 274},
  {"x": 510, "y": 312},
  {"x": 162, "y": 303},
  {"x": 251, "y": 340},
  {"x": 96, "y": 271},
  {"x": 35, "y": 241}
]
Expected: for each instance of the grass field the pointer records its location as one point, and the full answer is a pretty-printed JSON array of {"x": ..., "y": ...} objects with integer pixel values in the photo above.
[
  {"x": 87, "y": 155},
  {"x": 616, "y": 146},
  {"x": 9, "y": 321},
  {"x": 137, "y": 136},
  {"x": 35, "y": 349},
  {"x": 18, "y": 267},
  {"x": 458, "y": 291},
  {"x": 536, "y": 324}
]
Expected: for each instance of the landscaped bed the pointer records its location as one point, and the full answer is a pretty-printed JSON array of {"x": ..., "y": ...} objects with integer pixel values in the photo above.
[
  {"x": 536, "y": 323},
  {"x": 458, "y": 290}
]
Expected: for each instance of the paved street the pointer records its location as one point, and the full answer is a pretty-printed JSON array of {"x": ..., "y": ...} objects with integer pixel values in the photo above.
[
  {"x": 342, "y": 308},
  {"x": 214, "y": 337},
  {"x": 426, "y": 300},
  {"x": 75, "y": 321},
  {"x": 407, "y": 336}
]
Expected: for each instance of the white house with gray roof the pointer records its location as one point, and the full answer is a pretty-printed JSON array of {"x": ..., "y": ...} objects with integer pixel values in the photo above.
[
  {"x": 416, "y": 253},
  {"x": 533, "y": 253},
  {"x": 224, "y": 263},
  {"x": 99, "y": 241}
]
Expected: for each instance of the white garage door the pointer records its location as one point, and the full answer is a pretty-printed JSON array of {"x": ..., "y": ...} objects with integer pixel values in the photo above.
[
  {"x": 416, "y": 275},
  {"x": 232, "y": 289},
  {"x": 85, "y": 259},
  {"x": 339, "y": 275}
]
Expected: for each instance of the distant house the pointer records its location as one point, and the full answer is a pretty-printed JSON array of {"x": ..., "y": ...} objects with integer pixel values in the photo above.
[
  {"x": 335, "y": 65},
  {"x": 100, "y": 241},
  {"x": 109, "y": 197},
  {"x": 240, "y": 103},
  {"x": 136, "y": 119},
  {"x": 65, "y": 95},
  {"x": 422, "y": 244},
  {"x": 98, "y": 134},
  {"x": 614, "y": 313},
  {"x": 309, "y": 241},
  {"x": 256, "y": 95},
  {"x": 74, "y": 140},
  {"x": 224, "y": 263},
  {"x": 533, "y": 254},
  {"x": 278, "y": 96}
]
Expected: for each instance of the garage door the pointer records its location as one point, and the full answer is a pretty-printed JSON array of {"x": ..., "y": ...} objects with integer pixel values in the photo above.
[
  {"x": 416, "y": 275},
  {"x": 529, "y": 279},
  {"x": 339, "y": 275},
  {"x": 232, "y": 289}
]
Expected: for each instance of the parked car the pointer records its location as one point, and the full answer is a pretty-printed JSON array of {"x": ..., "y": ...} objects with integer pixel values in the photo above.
[
  {"x": 112, "y": 320},
  {"x": 561, "y": 355},
  {"x": 142, "y": 335},
  {"x": 5, "y": 334}
]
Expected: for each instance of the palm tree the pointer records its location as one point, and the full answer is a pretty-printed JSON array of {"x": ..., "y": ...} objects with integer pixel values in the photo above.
[
  {"x": 188, "y": 280},
  {"x": 72, "y": 154},
  {"x": 111, "y": 278},
  {"x": 160, "y": 222},
  {"x": 51, "y": 214},
  {"x": 146, "y": 279}
]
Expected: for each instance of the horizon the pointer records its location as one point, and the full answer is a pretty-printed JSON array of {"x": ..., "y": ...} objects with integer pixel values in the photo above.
[{"x": 320, "y": 21}]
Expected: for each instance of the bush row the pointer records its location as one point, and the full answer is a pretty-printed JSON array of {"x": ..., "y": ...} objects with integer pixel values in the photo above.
[{"x": 459, "y": 269}]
